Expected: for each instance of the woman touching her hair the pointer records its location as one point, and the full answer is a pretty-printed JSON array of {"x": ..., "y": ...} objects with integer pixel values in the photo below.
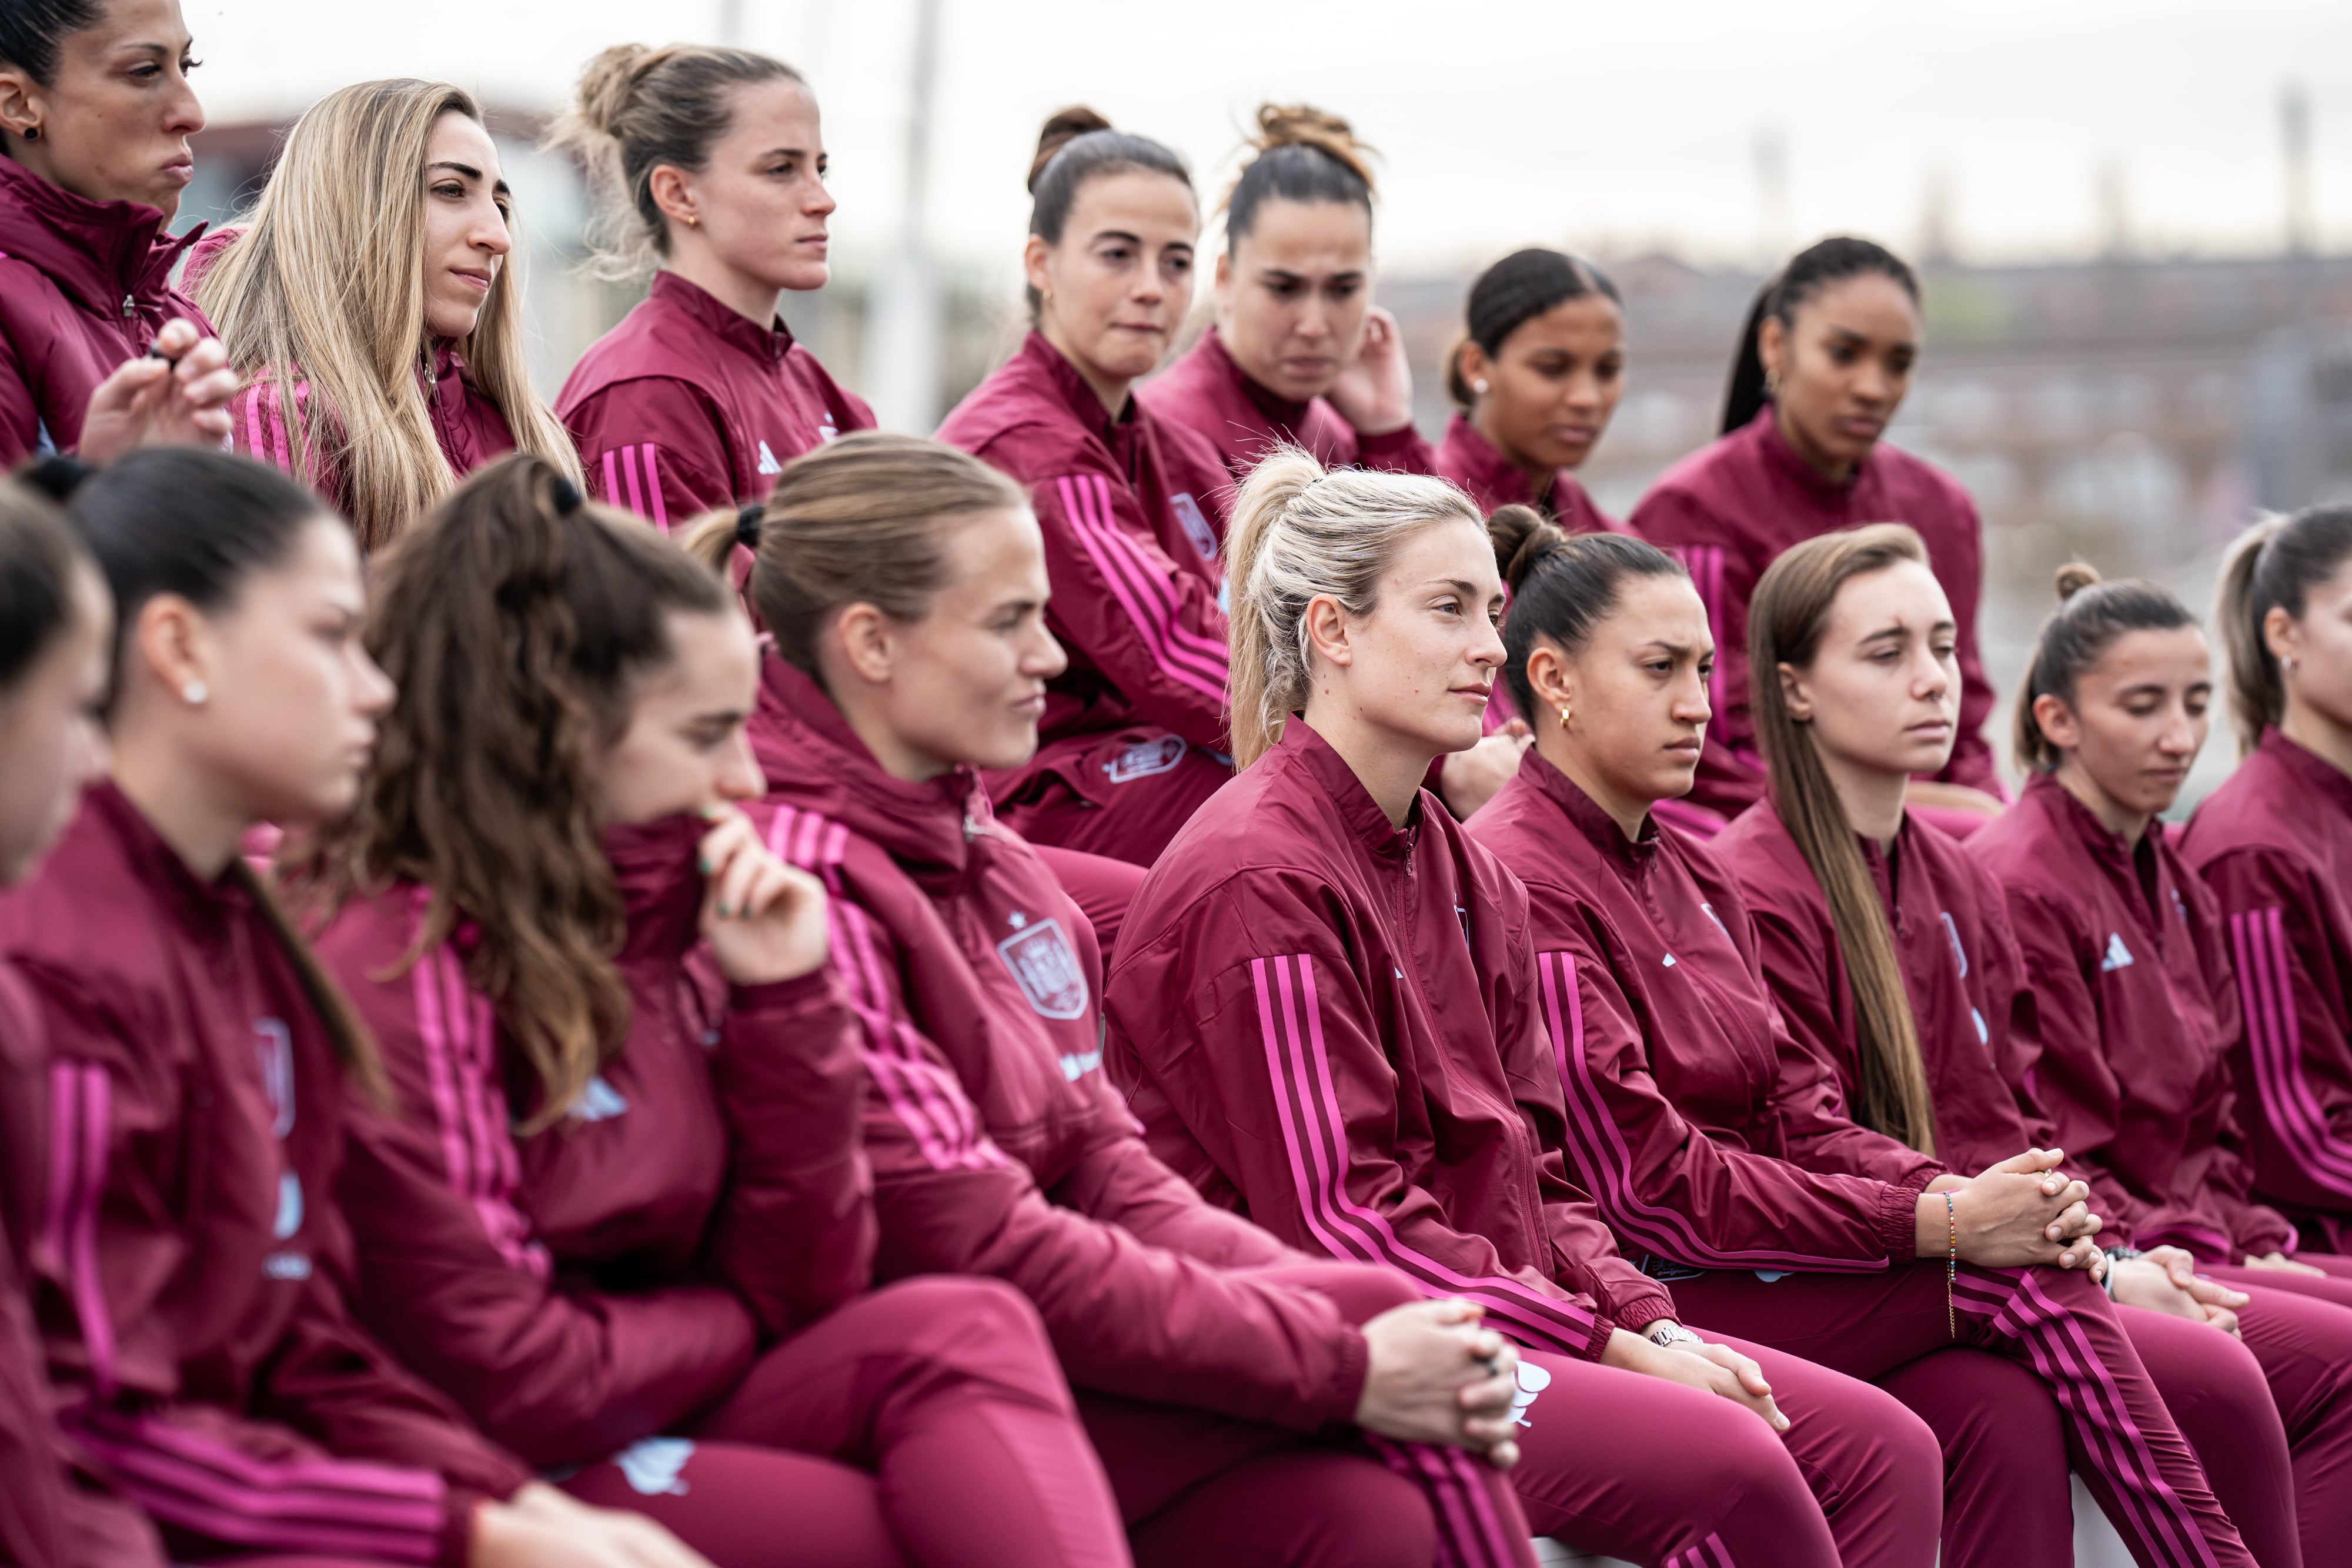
[
  {"x": 2138, "y": 1018},
  {"x": 373, "y": 303},
  {"x": 1252, "y": 1406},
  {"x": 700, "y": 395},
  {"x": 1719, "y": 1149},
  {"x": 99, "y": 352},
  {"x": 1821, "y": 369},
  {"x": 1325, "y": 1013},
  {"x": 610, "y": 1221},
  {"x": 192, "y": 1310},
  {"x": 1298, "y": 355}
]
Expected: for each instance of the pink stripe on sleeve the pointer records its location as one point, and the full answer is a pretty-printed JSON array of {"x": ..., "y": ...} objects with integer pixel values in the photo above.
[
  {"x": 629, "y": 472},
  {"x": 1079, "y": 494},
  {"x": 611, "y": 480},
  {"x": 654, "y": 489}
]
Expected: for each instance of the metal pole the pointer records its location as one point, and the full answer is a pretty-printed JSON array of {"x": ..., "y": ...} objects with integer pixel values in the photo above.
[{"x": 903, "y": 327}]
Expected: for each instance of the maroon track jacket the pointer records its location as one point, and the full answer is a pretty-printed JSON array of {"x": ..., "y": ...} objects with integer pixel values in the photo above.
[
  {"x": 191, "y": 1299},
  {"x": 1470, "y": 460},
  {"x": 1332, "y": 1026},
  {"x": 571, "y": 1288},
  {"x": 689, "y": 405},
  {"x": 1207, "y": 393},
  {"x": 2128, "y": 960}
]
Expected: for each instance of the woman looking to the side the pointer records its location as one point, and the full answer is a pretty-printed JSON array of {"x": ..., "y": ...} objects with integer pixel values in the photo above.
[
  {"x": 1720, "y": 1150},
  {"x": 1327, "y": 1014},
  {"x": 618, "y": 1213},
  {"x": 94, "y": 116},
  {"x": 191, "y": 1304},
  {"x": 1299, "y": 354},
  {"x": 373, "y": 304},
  {"x": 701, "y": 395},
  {"x": 1245, "y": 1399},
  {"x": 1822, "y": 366}
]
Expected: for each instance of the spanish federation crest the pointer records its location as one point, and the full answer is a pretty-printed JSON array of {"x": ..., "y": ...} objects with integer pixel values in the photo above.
[
  {"x": 1196, "y": 527},
  {"x": 1041, "y": 960},
  {"x": 1144, "y": 758}
]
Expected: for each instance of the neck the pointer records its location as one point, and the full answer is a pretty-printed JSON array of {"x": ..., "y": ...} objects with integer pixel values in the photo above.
[
  {"x": 1539, "y": 477},
  {"x": 202, "y": 830},
  {"x": 1110, "y": 390},
  {"x": 1872, "y": 799},
  {"x": 1834, "y": 469},
  {"x": 1628, "y": 811},
  {"x": 748, "y": 297},
  {"x": 2114, "y": 816},
  {"x": 1389, "y": 765},
  {"x": 890, "y": 749},
  {"x": 2316, "y": 733}
]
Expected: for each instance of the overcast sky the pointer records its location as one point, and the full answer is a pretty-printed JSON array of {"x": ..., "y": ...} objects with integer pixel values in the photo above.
[{"x": 1501, "y": 121}]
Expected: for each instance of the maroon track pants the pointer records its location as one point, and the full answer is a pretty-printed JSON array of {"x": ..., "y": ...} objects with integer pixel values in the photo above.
[
  {"x": 2057, "y": 1324},
  {"x": 2299, "y": 1331}
]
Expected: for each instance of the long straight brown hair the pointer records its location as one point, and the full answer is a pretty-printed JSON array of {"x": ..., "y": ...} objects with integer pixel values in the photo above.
[{"x": 1785, "y": 621}]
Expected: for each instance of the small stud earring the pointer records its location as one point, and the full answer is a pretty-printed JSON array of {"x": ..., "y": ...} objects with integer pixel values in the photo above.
[
  {"x": 1480, "y": 387},
  {"x": 32, "y": 133},
  {"x": 2286, "y": 662},
  {"x": 1771, "y": 383},
  {"x": 194, "y": 693}
]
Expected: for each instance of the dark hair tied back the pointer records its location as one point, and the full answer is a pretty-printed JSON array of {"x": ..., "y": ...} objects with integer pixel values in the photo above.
[
  {"x": 2275, "y": 565},
  {"x": 1562, "y": 587},
  {"x": 2091, "y": 617},
  {"x": 1076, "y": 145},
  {"x": 38, "y": 557},
  {"x": 1514, "y": 291},
  {"x": 1831, "y": 260},
  {"x": 31, "y": 30},
  {"x": 1300, "y": 154}
]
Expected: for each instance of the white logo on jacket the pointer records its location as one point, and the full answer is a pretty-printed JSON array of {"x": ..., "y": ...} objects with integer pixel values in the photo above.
[
  {"x": 1042, "y": 961},
  {"x": 2118, "y": 956},
  {"x": 1144, "y": 758},
  {"x": 768, "y": 464},
  {"x": 1196, "y": 527}
]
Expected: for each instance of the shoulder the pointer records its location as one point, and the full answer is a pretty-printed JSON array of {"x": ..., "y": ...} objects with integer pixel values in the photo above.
[
  {"x": 809, "y": 370},
  {"x": 1014, "y": 416},
  {"x": 1194, "y": 463},
  {"x": 1250, "y": 845},
  {"x": 1683, "y": 503},
  {"x": 1921, "y": 483},
  {"x": 1758, "y": 853}
]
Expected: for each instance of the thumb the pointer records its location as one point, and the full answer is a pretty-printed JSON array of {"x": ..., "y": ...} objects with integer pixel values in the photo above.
[{"x": 2032, "y": 1162}]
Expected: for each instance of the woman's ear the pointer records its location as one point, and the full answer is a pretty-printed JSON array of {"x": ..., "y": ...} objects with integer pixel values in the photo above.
[
  {"x": 2056, "y": 721},
  {"x": 1795, "y": 694},
  {"x": 2281, "y": 633},
  {"x": 1478, "y": 369},
  {"x": 1034, "y": 256},
  {"x": 673, "y": 193},
  {"x": 861, "y": 634},
  {"x": 1773, "y": 348},
  {"x": 1323, "y": 626},
  {"x": 172, "y": 642},
  {"x": 1551, "y": 681}
]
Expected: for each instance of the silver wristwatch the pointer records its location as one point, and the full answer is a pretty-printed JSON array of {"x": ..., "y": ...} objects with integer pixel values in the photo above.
[{"x": 1666, "y": 1333}]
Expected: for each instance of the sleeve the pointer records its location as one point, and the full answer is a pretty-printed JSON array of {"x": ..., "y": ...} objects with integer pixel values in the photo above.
[
  {"x": 20, "y": 416},
  {"x": 1153, "y": 631},
  {"x": 1119, "y": 1181},
  {"x": 1731, "y": 769},
  {"x": 1664, "y": 1184},
  {"x": 1257, "y": 1028},
  {"x": 1401, "y": 451},
  {"x": 448, "y": 1276},
  {"x": 258, "y": 428},
  {"x": 1972, "y": 761},
  {"x": 656, "y": 446},
  {"x": 795, "y": 1233},
  {"x": 2294, "y": 993},
  {"x": 2254, "y": 1229},
  {"x": 1126, "y": 1318},
  {"x": 1809, "y": 1103}
]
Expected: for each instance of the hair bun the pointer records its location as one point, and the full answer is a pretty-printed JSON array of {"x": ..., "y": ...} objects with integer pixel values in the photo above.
[
  {"x": 608, "y": 82},
  {"x": 57, "y": 477},
  {"x": 2075, "y": 577},
  {"x": 1304, "y": 125},
  {"x": 1063, "y": 128},
  {"x": 1522, "y": 537}
]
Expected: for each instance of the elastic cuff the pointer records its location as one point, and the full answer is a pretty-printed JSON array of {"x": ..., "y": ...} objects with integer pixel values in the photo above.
[
  {"x": 457, "y": 1506},
  {"x": 776, "y": 995},
  {"x": 1898, "y": 1217},
  {"x": 1636, "y": 1315},
  {"x": 1348, "y": 1382},
  {"x": 1602, "y": 1327}
]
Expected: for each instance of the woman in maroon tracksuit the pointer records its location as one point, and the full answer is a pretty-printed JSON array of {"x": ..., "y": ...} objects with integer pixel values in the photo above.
[
  {"x": 193, "y": 1262},
  {"x": 1223, "y": 1375},
  {"x": 1299, "y": 356},
  {"x": 603, "y": 1222},
  {"x": 1325, "y": 1014},
  {"x": 56, "y": 628},
  {"x": 93, "y": 157},
  {"x": 380, "y": 373},
  {"x": 700, "y": 396},
  {"x": 2136, "y": 1015},
  {"x": 1132, "y": 504},
  {"x": 2274, "y": 844},
  {"x": 1720, "y": 1148},
  {"x": 1822, "y": 366}
]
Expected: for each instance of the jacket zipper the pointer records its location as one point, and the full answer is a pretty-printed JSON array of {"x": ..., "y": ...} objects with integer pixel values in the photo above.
[{"x": 129, "y": 306}]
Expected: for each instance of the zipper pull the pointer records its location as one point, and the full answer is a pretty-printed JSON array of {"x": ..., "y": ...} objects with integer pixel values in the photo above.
[{"x": 129, "y": 308}]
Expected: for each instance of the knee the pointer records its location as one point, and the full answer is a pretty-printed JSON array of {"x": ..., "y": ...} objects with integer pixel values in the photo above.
[{"x": 961, "y": 1320}]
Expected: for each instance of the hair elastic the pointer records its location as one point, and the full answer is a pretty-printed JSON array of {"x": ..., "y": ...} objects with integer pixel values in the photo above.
[
  {"x": 566, "y": 495},
  {"x": 747, "y": 525}
]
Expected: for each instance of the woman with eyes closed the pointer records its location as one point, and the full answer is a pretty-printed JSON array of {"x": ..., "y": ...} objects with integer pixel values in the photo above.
[
  {"x": 700, "y": 395},
  {"x": 380, "y": 375},
  {"x": 94, "y": 116},
  {"x": 1824, "y": 363}
]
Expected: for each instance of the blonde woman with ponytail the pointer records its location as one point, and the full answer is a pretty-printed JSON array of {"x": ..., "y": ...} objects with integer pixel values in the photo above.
[
  {"x": 372, "y": 302},
  {"x": 1326, "y": 1013},
  {"x": 1889, "y": 953},
  {"x": 711, "y": 165}
]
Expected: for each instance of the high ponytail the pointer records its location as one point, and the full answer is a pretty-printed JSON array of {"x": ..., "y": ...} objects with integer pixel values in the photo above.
[
  {"x": 1786, "y": 617},
  {"x": 1809, "y": 271},
  {"x": 2274, "y": 565},
  {"x": 2091, "y": 616},
  {"x": 515, "y": 621},
  {"x": 1297, "y": 532}
]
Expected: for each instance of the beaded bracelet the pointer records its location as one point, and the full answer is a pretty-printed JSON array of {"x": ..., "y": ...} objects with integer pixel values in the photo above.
[{"x": 1951, "y": 1266}]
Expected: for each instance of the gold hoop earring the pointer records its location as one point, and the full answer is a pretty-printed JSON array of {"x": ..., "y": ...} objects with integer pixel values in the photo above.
[{"x": 1563, "y": 717}]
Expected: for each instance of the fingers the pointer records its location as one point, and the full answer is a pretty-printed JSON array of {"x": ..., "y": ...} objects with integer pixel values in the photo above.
[
  {"x": 178, "y": 336},
  {"x": 1503, "y": 1455},
  {"x": 2032, "y": 1162},
  {"x": 2213, "y": 1293},
  {"x": 2074, "y": 1221},
  {"x": 2225, "y": 1320}
]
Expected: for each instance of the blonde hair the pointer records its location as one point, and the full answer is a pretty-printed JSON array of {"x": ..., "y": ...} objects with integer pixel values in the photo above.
[
  {"x": 326, "y": 287},
  {"x": 1786, "y": 617},
  {"x": 637, "y": 110},
  {"x": 1298, "y": 532}
]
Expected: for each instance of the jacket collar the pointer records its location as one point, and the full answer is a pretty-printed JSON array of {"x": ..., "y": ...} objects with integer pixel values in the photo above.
[
  {"x": 1763, "y": 435},
  {"x": 1073, "y": 390},
  {"x": 1630, "y": 856},
  {"x": 203, "y": 909},
  {"x": 660, "y": 882},
  {"x": 2107, "y": 846},
  {"x": 1492, "y": 474},
  {"x": 96, "y": 252},
  {"x": 1285, "y": 414},
  {"x": 1302, "y": 749},
  {"x": 2317, "y": 772},
  {"x": 812, "y": 758},
  {"x": 770, "y": 343}
]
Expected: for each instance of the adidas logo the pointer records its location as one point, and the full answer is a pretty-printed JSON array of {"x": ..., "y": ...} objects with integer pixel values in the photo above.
[
  {"x": 768, "y": 464},
  {"x": 2118, "y": 956}
]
